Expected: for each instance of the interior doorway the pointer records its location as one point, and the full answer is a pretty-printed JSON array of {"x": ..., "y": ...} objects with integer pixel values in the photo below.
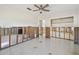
[{"x": 42, "y": 28}]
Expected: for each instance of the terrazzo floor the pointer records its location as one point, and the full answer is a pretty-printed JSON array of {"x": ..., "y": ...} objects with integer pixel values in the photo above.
[{"x": 43, "y": 46}]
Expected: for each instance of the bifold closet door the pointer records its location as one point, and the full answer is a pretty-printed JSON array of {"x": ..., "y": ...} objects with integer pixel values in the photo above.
[
  {"x": 20, "y": 34},
  {"x": 57, "y": 32},
  {"x": 54, "y": 31},
  {"x": 4, "y": 37},
  {"x": 31, "y": 32},
  {"x": 76, "y": 35},
  {"x": 67, "y": 33},
  {"x": 71, "y": 33},
  {"x": 25, "y": 37},
  {"x": 47, "y": 32},
  {"x": 27, "y": 32},
  {"x": 62, "y": 33},
  {"x": 37, "y": 31},
  {"x": 0, "y": 38},
  {"x": 13, "y": 36},
  {"x": 34, "y": 31}
]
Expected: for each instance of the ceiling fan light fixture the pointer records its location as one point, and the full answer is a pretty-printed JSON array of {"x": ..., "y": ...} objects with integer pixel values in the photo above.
[
  {"x": 40, "y": 12},
  {"x": 40, "y": 8}
]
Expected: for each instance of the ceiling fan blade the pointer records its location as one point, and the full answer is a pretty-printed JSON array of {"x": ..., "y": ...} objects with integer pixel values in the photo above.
[
  {"x": 45, "y": 10},
  {"x": 29, "y": 9},
  {"x": 36, "y": 10},
  {"x": 36, "y": 6},
  {"x": 46, "y": 6}
]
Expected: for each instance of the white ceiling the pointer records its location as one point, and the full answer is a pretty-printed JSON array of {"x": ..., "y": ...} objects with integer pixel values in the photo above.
[{"x": 53, "y": 7}]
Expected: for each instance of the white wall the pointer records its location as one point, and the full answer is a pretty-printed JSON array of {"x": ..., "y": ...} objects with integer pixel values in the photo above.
[
  {"x": 16, "y": 15},
  {"x": 60, "y": 11},
  {"x": 77, "y": 17}
]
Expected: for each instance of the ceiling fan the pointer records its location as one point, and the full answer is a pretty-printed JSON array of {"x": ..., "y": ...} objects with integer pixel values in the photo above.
[{"x": 40, "y": 8}]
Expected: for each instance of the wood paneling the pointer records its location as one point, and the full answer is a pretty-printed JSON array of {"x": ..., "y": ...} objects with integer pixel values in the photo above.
[
  {"x": 76, "y": 35},
  {"x": 17, "y": 37},
  {"x": 0, "y": 38},
  {"x": 36, "y": 31},
  {"x": 10, "y": 30},
  {"x": 26, "y": 32},
  {"x": 31, "y": 32},
  {"x": 47, "y": 32}
]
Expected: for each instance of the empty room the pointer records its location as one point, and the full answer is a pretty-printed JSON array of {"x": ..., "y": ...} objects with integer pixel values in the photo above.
[{"x": 39, "y": 29}]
